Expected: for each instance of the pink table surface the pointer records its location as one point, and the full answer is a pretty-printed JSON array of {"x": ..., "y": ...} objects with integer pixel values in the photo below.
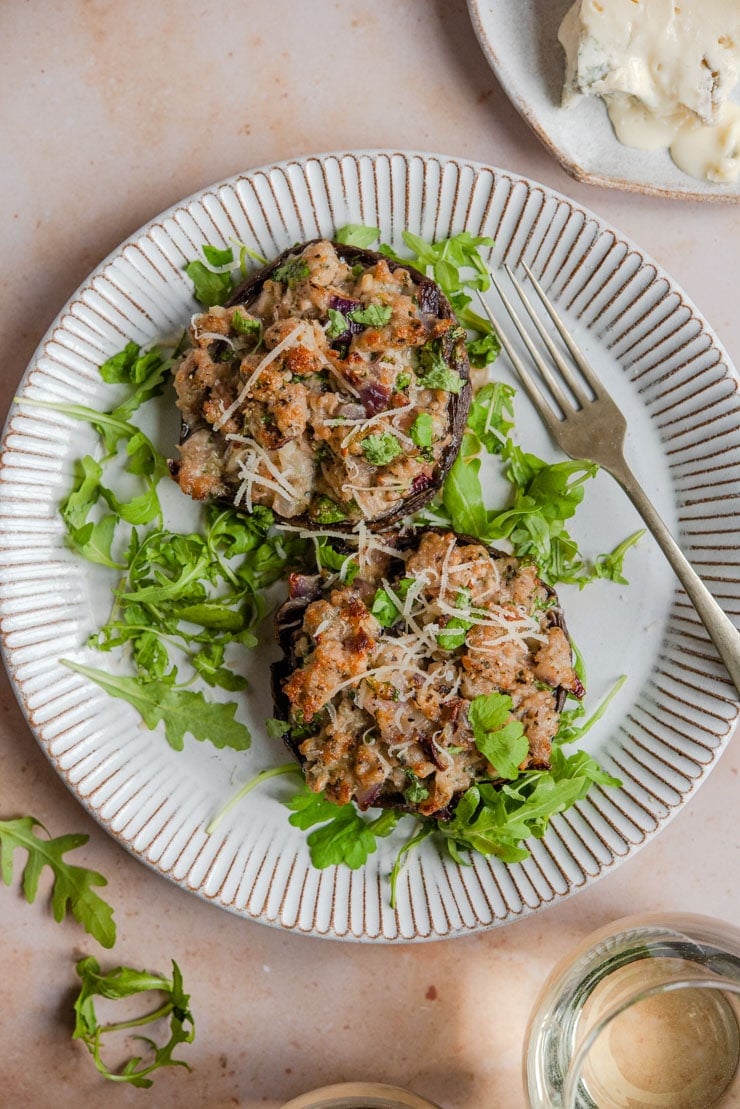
[{"x": 110, "y": 113}]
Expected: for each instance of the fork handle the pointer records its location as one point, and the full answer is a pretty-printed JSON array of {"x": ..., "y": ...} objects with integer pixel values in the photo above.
[{"x": 722, "y": 631}]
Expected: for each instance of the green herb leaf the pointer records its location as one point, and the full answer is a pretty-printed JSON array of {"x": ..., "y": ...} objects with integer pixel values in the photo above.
[
  {"x": 422, "y": 430},
  {"x": 484, "y": 350},
  {"x": 373, "y": 315},
  {"x": 328, "y": 558},
  {"x": 292, "y": 271},
  {"x": 569, "y": 731},
  {"x": 182, "y": 711},
  {"x": 611, "y": 565},
  {"x": 462, "y": 496},
  {"x": 73, "y": 885},
  {"x": 209, "y": 288},
  {"x": 415, "y": 791},
  {"x": 344, "y": 836},
  {"x": 244, "y": 324},
  {"x": 452, "y": 635},
  {"x": 384, "y": 609},
  {"x": 381, "y": 449},
  {"x": 326, "y": 511},
  {"x": 491, "y": 415},
  {"x": 497, "y": 736},
  {"x": 126, "y": 982},
  {"x": 357, "y": 234},
  {"x": 434, "y": 372},
  {"x": 218, "y": 257},
  {"x": 337, "y": 324}
]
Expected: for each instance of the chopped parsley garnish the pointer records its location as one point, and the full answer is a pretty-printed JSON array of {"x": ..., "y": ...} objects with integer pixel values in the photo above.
[
  {"x": 381, "y": 449},
  {"x": 422, "y": 430},
  {"x": 246, "y": 325},
  {"x": 292, "y": 271},
  {"x": 374, "y": 315},
  {"x": 326, "y": 511},
  {"x": 337, "y": 324},
  {"x": 434, "y": 372},
  {"x": 452, "y": 635},
  {"x": 415, "y": 791}
]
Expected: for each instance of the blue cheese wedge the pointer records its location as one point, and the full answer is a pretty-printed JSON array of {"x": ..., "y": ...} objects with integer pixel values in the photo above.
[{"x": 666, "y": 71}]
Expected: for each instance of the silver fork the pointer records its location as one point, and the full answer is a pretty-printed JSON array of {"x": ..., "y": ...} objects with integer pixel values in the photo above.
[{"x": 593, "y": 428}]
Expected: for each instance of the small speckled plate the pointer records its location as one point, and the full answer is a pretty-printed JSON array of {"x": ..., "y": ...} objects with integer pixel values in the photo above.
[
  {"x": 520, "y": 41},
  {"x": 666, "y": 369}
]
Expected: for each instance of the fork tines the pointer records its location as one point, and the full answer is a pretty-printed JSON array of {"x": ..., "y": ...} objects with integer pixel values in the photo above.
[{"x": 576, "y": 387}]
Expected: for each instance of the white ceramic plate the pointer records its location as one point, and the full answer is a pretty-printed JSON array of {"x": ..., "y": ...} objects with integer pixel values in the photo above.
[
  {"x": 664, "y": 733},
  {"x": 520, "y": 41}
]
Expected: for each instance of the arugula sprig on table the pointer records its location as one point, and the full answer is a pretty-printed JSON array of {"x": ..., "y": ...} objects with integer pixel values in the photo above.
[
  {"x": 73, "y": 886},
  {"x": 126, "y": 982}
]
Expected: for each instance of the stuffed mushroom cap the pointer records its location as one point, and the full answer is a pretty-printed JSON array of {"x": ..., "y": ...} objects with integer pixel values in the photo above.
[
  {"x": 333, "y": 388},
  {"x": 387, "y": 682}
]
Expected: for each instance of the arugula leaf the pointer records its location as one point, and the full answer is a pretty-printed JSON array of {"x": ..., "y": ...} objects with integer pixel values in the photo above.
[
  {"x": 93, "y": 540},
  {"x": 357, "y": 234},
  {"x": 218, "y": 257},
  {"x": 73, "y": 885},
  {"x": 434, "y": 372},
  {"x": 125, "y": 982},
  {"x": 422, "y": 833},
  {"x": 568, "y": 731},
  {"x": 611, "y": 565},
  {"x": 462, "y": 496},
  {"x": 328, "y": 558},
  {"x": 491, "y": 415},
  {"x": 344, "y": 836},
  {"x": 209, "y": 287},
  {"x": 381, "y": 449},
  {"x": 374, "y": 315},
  {"x": 276, "y": 729},
  {"x": 497, "y": 736},
  {"x": 182, "y": 711},
  {"x": 484, "y": 350},
  {"x": 546, "y": 496}
]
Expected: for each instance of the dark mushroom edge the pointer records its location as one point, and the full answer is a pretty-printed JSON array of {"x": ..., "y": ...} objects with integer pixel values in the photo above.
[
  {"x": 356, "y": 419},
  {"x": 400, "y": 737}
]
